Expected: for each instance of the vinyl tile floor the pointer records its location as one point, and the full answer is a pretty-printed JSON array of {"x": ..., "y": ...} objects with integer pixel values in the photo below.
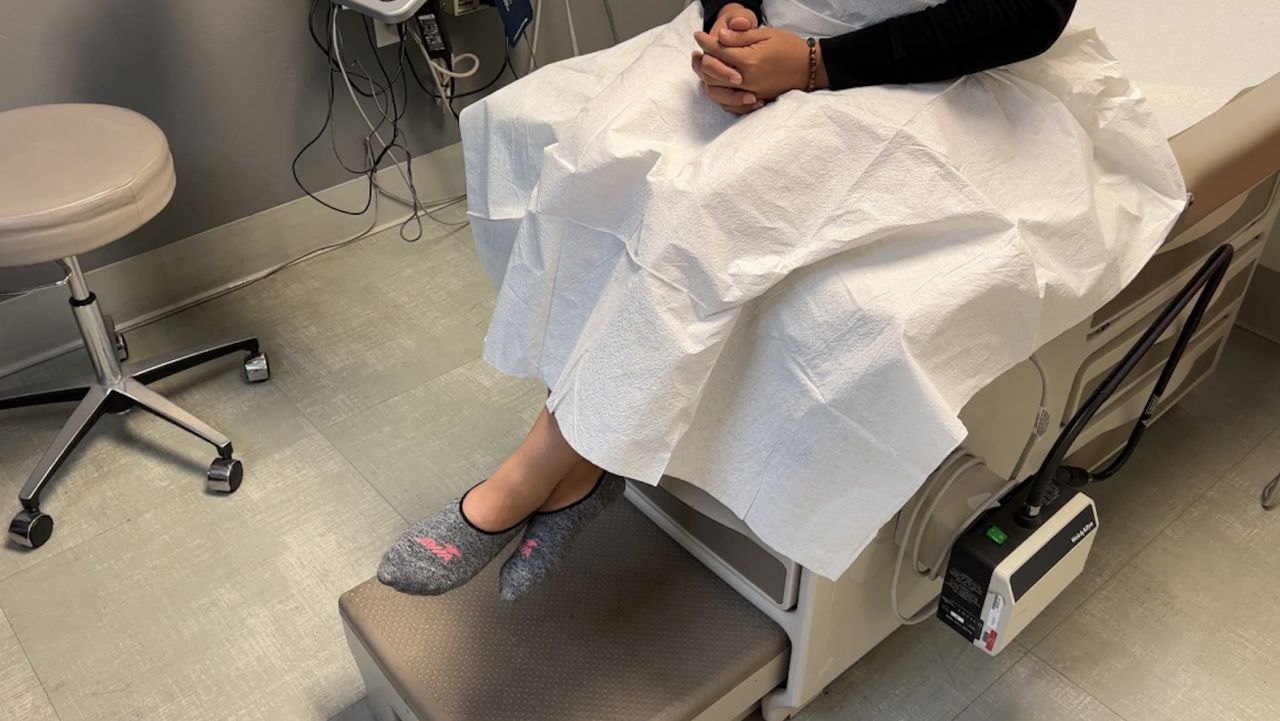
[{"x": 155, "y": 601}]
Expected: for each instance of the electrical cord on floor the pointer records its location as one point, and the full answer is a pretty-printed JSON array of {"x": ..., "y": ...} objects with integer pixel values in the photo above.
[
  {"x": 1269, "y": 494},
  {"x": 369, "y": 231},
  {"x": 408, "y": 203}
]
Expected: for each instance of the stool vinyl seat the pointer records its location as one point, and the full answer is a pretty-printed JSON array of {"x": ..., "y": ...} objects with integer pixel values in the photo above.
[{"x": 75, "y": 177}]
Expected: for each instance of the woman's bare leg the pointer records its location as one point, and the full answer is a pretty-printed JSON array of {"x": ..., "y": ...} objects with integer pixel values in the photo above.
[
  {"x": 527, "y": 479},
  {"x": 576, "y": 484}
]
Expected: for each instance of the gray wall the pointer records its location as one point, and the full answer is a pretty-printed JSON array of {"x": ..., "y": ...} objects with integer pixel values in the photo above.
[{"x": 239, "y": 87}]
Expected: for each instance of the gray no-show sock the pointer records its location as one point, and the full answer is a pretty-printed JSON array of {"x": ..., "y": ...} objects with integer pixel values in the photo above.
[
  {"x": 550, "y": 535},
  {"x": 441, "y": 553}
]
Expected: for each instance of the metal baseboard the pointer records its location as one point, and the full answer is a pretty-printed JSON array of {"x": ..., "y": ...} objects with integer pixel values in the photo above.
[{"x": 632, "y": 629}]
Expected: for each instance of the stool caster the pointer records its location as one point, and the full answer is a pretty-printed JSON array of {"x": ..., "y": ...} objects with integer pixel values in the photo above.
[
  {"x": 225, "y": 475},
  {"x": 257, "y": 369},
  {"x": 31, "y": 528}
]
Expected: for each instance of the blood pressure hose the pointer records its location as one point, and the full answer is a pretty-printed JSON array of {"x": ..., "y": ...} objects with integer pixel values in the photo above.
[{"x": 1204, "y": 285}]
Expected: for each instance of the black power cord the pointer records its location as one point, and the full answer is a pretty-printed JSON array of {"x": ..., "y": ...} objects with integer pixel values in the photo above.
[
  {"x": 327, "y": 47},
  {"x": 388, "y": 88},
  {"x": 1201, "y": 287}
]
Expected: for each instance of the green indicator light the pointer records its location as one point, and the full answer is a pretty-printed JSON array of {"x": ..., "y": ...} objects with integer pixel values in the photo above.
[{"x": 997, "y": 535}]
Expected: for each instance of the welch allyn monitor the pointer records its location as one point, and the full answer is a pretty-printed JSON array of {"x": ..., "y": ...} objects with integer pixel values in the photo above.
[{"x": 1015, "y": 559}]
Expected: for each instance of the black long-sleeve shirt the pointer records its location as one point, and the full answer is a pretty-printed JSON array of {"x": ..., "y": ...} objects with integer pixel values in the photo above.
[{"x": 945, "y": 41}]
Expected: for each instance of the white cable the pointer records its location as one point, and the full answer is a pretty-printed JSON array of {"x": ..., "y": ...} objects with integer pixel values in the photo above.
[
  {"x": 928, "y": 612},
  {"x": 935, "y": 569},
  {"x": 446, "y": 97},
  {"x": 446, "y": 72},
  {"x": 371, "y": 230},
  {"x": 573, "y": 30},
  {"x": 1038, "y": 430},
  {"x": 409, "y": 203},
  {"x": 342, "y": 66},
  {"x": 537, "y": 28},
  {"x": 933, "y": 507},
  {"x": 475, "y": 65},
  {"x": 533, "y": 54}
]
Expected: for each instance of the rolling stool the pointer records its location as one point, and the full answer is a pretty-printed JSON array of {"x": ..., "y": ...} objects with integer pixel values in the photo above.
[{"x": 74, "y": 178}]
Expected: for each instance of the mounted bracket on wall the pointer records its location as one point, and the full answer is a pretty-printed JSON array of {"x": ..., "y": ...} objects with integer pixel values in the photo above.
[{"x": 388, "y": 11}]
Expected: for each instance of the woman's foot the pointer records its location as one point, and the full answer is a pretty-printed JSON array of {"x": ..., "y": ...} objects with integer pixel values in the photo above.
[
  {"x": 443, "y": 551},
  {"x": 550, "y": 534}
]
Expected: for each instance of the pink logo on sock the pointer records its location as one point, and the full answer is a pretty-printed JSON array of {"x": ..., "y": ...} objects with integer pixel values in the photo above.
[
  {"x": 445, "y": 553},
  {"x": 526, "y": 548}
]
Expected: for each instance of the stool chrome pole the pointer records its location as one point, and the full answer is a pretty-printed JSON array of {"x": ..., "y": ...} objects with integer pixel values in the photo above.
[{"x": 98, "y": 341}]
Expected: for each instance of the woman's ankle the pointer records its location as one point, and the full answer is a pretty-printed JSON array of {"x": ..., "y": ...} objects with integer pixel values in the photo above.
[
  {"x": 492, "y": 508},
  {"x": 575, "y": 486}
]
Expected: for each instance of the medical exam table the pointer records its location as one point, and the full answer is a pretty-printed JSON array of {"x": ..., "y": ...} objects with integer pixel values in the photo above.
[{"x": 671, "y": 610}]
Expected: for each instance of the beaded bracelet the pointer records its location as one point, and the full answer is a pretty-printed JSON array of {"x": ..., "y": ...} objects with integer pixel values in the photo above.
[{"x": 813, "y": 65}]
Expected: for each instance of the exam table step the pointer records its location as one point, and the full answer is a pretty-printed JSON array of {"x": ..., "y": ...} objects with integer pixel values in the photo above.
[{"x": 632, "y": 628}]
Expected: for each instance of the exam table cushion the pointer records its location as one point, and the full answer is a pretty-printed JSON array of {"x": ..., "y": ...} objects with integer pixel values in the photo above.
[
  {"x": 76, "y": 177},
  {"x": 1230, "y": 151}
]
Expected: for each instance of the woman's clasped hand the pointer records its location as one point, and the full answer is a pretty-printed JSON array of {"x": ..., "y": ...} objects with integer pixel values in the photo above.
[{"x": 743, "y": 65}]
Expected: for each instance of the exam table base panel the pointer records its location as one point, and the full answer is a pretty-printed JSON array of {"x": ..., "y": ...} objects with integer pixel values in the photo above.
[{"x": 631, "y": 627}]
